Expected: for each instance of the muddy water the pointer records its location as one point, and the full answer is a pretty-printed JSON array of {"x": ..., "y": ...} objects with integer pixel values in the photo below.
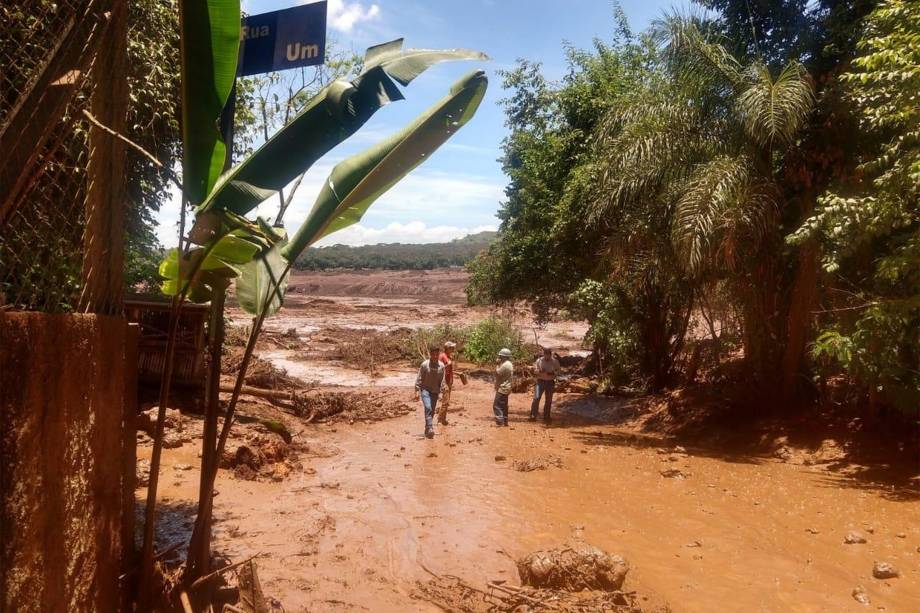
[
  {"x": 378, "y": 504},
  {"x": 334, "y": 373}
]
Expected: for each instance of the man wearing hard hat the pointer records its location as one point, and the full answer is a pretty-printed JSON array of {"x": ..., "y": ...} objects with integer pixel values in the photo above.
[{"x": 504, "y": 373}]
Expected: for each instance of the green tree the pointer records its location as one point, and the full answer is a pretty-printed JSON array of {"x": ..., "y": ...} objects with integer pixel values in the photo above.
[
  {"x": 870, "y": 232},
  {"x": 617, "y": 269},
  {"x": 153, "y": 82},
  {"x": 705, "y": 147}
]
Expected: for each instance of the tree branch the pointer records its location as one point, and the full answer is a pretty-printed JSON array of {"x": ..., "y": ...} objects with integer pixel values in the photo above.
[{"x": 169, "y": 173}]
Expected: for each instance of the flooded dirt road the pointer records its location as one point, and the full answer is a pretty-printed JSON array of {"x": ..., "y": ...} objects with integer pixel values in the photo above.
[{"x": 377, "y": 507}]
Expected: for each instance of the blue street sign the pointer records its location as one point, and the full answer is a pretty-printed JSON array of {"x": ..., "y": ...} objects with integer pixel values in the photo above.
[{"x": 289, "y": 38}]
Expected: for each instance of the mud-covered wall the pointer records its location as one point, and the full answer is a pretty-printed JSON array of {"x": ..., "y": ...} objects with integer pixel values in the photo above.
[{"x": 63, "y": 468}]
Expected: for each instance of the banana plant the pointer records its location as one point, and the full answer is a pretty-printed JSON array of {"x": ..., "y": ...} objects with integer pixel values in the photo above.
[
  {"x": 209, "y": 47},
  {"x": 258, "y": 256}
]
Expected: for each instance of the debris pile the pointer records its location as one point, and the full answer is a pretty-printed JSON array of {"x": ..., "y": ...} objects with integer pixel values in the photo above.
[
  {"x": 264, "y": 456},
  {"x": 573, "y": 567},
  {"x": 369, "y": 349},
  {"x": 452, "y": 593},
  {"x": 327, "y": 406},
  {"x": 260, "y": 373},
  {"x": 176, "y": 430},
  {"x": 577, "y": 385},
  {"x": 537, "y": 463}
]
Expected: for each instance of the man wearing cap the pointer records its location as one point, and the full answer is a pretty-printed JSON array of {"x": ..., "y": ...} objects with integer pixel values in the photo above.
[
  {"x": 447, "y": 359},
  {"x": 428, "y": 385},
  {"x": 504, "y": 373},
  {"x": 545, "y": 368}
]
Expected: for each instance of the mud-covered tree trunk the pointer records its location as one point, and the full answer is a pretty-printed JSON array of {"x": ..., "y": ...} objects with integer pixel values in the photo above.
[
  {"x": 762, "y": 314},
  {"x": 663, "y": 318},
  {"x": 799, "y": 320}
]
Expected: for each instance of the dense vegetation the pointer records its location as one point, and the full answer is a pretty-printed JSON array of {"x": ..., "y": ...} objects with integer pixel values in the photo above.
[
  {"x": 397, "y": 256},
  {"x": 751, "y": 173}
]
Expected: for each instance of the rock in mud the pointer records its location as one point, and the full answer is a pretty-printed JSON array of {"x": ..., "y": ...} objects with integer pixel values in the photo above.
[
  {"x": 142, "y": 473},
  {"x": 147, "y": 420},
  {"x": 860, "y": 595},
  {"x": 573, "y": 567},
  {"x": 783, "y": 453},
  {"x": 262, "y": 455},
  {"x": 884, "y": 570},
  {"x": 673, "y": 473},
  {"x": 854, "y": 538},
  {"x": 172, "y": 440}
]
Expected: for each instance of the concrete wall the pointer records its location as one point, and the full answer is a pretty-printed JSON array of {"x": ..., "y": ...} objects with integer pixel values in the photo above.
[{"x": 64, "y": 461}]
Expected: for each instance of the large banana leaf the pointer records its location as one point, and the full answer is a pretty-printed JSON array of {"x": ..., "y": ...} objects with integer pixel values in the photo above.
[
  {"x": 357, "y": 182},
  {"x": 259, "y": 277},
  {"x": 330, "y": 117},
  {"x": 222, "y": 261},
  {"x": 209, "y": 48},
  {"x": 403, "y": 66}
]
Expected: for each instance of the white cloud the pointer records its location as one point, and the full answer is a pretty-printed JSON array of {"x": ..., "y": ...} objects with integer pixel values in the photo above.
[
  {"x": 459, "y": 202},
  {"x": 343, "y": 16},
  {"x": 428, "y": 205},
  {"x": 446, "y": 193},
  {"x": 412, "y": 232}
]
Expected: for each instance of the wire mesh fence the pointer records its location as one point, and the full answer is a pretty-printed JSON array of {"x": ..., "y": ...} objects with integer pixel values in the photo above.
[{"x": 46, "y": 65}]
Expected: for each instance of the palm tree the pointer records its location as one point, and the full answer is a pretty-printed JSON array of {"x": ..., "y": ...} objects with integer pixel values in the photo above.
[{"x": 704, "y": 145}]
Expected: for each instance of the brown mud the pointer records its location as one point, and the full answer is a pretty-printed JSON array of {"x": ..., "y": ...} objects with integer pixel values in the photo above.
[{"x": 756, "y": 525}]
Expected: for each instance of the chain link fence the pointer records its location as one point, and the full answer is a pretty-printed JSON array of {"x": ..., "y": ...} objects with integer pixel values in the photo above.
[{"x": 47, "y": 54}]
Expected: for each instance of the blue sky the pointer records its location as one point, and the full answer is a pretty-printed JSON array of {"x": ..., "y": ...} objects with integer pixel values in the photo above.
[{"x": 459, "y": 189}]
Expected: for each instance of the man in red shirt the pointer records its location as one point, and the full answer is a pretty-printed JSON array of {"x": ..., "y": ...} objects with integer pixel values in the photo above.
[{"x": 446, "y": 358}]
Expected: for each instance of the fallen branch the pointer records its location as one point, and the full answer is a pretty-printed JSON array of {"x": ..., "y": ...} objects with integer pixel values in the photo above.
[
  {"x": 280, "y": 399},
  {"x": 186, "y": 603},
  {"x": 199, "y": 582},
  {"x": 516, "y": 592},
  {"x": 168, "y": 550},
  {"x": 156, "y": 557},
  {"x": 169, "y": 173}
]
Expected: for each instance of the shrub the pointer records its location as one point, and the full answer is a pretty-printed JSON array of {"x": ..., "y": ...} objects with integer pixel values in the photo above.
[
  {"x": 417, "y": 343},
  {"x": 486, "y": 338}
]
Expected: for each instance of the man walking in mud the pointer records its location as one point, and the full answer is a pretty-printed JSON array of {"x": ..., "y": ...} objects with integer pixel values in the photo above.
[
  {"x": 447, "y": 359},
  {"x": 545, "y": 369},
  {"x": 504, "y": 373},
  {"x": 428, "y": 385}
]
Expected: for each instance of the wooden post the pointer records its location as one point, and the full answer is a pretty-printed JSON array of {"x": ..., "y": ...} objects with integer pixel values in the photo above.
[
  {"x": 103, "y": 242},
  {"x": 129, "y": 463}
]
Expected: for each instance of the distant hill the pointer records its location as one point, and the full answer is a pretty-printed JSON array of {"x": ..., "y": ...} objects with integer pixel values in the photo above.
[{"x": 396, "y": 256}]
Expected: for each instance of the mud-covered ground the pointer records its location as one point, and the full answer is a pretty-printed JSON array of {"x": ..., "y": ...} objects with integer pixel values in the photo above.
[{"x": 363, "y": 509}]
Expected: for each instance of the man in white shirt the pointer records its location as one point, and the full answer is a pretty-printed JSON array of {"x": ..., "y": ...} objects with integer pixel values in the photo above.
[{"x": 545, "y": 368}]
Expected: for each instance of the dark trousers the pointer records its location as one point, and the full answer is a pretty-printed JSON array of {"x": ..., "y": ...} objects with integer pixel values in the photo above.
[
  {"x": 500, "y": 408},
  {"x": 547, "y": 388}
]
